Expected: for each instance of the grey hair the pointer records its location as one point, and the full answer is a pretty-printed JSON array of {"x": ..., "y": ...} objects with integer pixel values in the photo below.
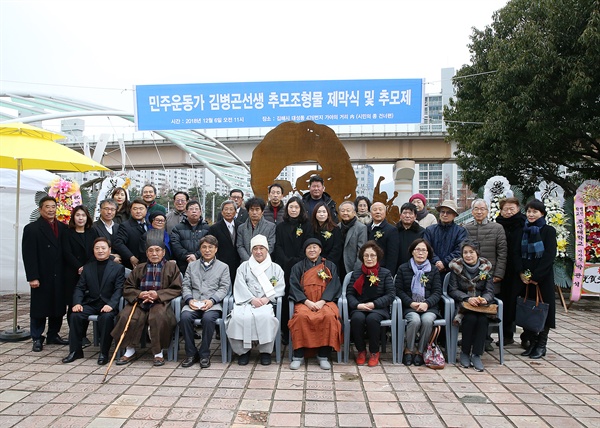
[
  {"x": 479, "y": 200},
  {"x": 109, "y": 201},
  {"x": 227, "y": 202}
]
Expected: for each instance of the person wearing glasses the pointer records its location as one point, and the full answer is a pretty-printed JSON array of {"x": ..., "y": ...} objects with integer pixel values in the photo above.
[
  {"x": 445, "y": 236},
  {"x": 241, "y": 214},
  {"x": 419, "y": 286},
  {"x": 157, "y": 221},
  {"x": 177, "y": 214},
  {"x": 370, "y": 294}
]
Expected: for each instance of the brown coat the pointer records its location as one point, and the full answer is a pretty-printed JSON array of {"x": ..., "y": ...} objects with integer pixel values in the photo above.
[{"x": 160, "y": 318}]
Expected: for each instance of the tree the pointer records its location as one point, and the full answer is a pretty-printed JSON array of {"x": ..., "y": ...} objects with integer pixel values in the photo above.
[{"x": 528, "y": 105}]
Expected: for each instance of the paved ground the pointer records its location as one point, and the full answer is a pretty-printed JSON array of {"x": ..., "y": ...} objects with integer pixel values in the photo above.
[{"x": 562, "y": 390}]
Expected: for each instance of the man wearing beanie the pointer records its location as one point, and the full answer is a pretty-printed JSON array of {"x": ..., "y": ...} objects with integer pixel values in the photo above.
[{"x": 258, "y": 284}]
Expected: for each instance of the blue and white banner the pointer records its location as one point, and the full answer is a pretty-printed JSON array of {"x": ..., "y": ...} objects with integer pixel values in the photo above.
[{"x": 267, "y": 104}]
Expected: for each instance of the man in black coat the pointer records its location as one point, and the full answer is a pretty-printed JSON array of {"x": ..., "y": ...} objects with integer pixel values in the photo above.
[
  {"x": 185, "y": 237},
  {"x": 408, "y": 231},
  {"x": 97, "y": 293},
  {"x": 105, "y": 226},
  {"x": 226, "y": 231},
  {"x": 43, "y": 261},
  {"x": 127, "y": 242},
  {"x": 385, "y": 235}
]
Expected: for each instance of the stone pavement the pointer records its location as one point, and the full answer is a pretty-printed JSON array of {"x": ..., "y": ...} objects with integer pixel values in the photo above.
[{"x": 562, "y": 390}]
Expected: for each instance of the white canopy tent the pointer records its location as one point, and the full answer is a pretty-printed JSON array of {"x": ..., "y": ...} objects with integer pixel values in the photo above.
[{"x": 32, "y": 181}]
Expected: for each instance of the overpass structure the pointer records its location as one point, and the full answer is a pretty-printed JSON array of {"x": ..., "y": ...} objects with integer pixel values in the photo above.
[{"x": 228, "y": 157}]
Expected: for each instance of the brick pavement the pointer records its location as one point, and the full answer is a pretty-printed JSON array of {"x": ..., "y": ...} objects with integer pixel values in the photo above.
[{"x": 562, "y": 390}]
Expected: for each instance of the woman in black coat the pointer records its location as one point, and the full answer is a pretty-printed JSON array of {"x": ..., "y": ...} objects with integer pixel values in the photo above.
[
  {"x": 78, "y": 249},
  {"x": 326, "y": 231},
  {"x": 512, "y": 220},
  {"x": 290, "y": 236},
  {"x": 538, "y": 251},
  {"x": 419, "y": 286},
  {"x": 471, "y": 282},
  {"x": 370, "y": 294}
]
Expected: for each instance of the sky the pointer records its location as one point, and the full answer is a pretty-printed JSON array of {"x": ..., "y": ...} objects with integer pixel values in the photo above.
[{"x": 97, "y": 51}]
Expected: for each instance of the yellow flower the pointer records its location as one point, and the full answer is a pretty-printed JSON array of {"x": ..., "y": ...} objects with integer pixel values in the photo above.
[
  {"x": 561, "y": 244},
  {"x": 527, "y": 274},
  {"x": 327, "y": 234},
  {"x": 273, "y": 281},
  {"x": 299, "y": 231},
  {"x": 373, "y": 279},
  {"x": 323, "y": 275},
  {"x": 378, "y": 234}
]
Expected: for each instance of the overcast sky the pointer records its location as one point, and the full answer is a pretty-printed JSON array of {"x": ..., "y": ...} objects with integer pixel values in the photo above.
[{"x": 97, "y": 51}]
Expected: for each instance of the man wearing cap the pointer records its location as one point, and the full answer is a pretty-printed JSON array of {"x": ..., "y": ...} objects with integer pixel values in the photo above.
[
  {"x": 424, "y": 217},
  {"x": 445, "y": 237},
  {"x": 354, "y": 234},
  {"x": 152, "y": 285},
  {"x": 258, "y": 284},
  {"x": 316, "y": 193},
  {"x": 205, "y": 285},
  {"x": 385, "y": 235},
  {"x": 408, "y": 231}
]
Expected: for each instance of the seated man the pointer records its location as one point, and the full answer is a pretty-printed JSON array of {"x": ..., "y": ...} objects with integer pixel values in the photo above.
[
  {"x": 205, "y": 285},
  {"x": 258, "y": 284},
  {"x": 98, "y": 292},
  {"x": 152, "y": 285}
]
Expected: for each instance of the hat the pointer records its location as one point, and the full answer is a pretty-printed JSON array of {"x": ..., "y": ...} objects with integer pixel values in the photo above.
[
  {"x": 311, "y": 241},
  {"x": 259, "y": 240},
  {"x": 418, "y": 196},
  {"x": 155, "y": 237},
  {"x": 450, "y": 204}
]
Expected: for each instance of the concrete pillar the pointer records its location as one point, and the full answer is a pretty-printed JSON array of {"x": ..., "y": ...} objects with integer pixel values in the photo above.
[{"x": 404, "y": 171}]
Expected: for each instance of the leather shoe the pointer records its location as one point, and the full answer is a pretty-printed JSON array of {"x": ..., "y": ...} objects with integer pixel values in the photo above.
[
  {"x": 159, "y": 361},
  {"x": 244, "y": 359},
  {"x": 265, "y": 359},
  {"x": 38, "y": 345},
  {"x": 190, "y": 361},
  {"x": 407, "y": 360},
  {"x": 418, "y": 360},
  {"x": 204, "y": 363},
  {"x": 73, "y": 356},
  {"x": 85, "y": 342},
  {"x": 102, "y": 359},
  {"x": 56, "y": 340},
  {"x": 126, "y": 360}
]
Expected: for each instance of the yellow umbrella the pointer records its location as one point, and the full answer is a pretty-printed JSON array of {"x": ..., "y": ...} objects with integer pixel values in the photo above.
[{"x": 27, "y": 147}]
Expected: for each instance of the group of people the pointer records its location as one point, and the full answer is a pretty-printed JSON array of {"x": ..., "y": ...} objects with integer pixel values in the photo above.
[{"x": 259, "y": 252}]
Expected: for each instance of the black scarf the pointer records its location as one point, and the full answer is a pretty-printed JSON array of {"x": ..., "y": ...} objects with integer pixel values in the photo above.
[
  {"x": 345, "y": 227},
  {"x": 511, "y": 223},
  {"x": 422, "y": 214}
]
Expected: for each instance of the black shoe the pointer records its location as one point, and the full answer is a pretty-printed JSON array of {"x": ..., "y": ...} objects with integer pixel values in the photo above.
[
  {"x": 265, "y": 359},
  {"x": 530, "y": 349},
  {"x": 73, "y": 356},
  {"x": 85, "y": 342},
  {"x": 190, "y": 361},
  {"x": 56, "y": 340},
  {"x": 418, "y": 360},
  {"x": 102, "y": 359},
  {"x": 204, "y": 363},
  {"x": 38, "y": 345},
  {"x": 488, "y": 347},
  {"x": 538, "y": 352},
  {"x": 407, "y": 360},
  {"x": 507, "y": 341},
  {"x": 244, "y": 359},
  {"x": 197, "y": 336}
]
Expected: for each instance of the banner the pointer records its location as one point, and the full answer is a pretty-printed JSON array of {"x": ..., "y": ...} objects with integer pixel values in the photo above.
[{"x": 267, "y": 104}]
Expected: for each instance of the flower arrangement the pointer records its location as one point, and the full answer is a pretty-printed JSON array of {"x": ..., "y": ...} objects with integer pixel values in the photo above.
[
  {"x": 299, "y": 231},
  {"x": 323, "y": 275},
  {"x": 592, "y": 234},
  {"x": 496, "y": 189},
  {"x": 556, "y": 217},
  {"x": 67, "y": 195},
  {"x": 273, "y": 281},
  {"x": 378, "y": 235},
  {"x": 495, "y": 206},
  {"x": 373, "y": 279},
  {"x": 327, "y": 234}
]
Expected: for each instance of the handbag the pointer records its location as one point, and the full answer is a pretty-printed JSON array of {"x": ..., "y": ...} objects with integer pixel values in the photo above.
[
  {"x": 532, "y": 314},
  {"x": 491, "y": 309},
  {"x": 433, "y": 356}
]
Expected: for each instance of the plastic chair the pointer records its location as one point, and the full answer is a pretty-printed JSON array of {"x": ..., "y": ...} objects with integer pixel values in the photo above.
[
  {"x": 392, "y": 323},
  {"x": 443, "y": 322}
]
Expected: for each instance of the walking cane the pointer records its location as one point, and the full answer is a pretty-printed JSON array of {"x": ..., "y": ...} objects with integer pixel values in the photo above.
[{"x": 120, "y": 341}]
